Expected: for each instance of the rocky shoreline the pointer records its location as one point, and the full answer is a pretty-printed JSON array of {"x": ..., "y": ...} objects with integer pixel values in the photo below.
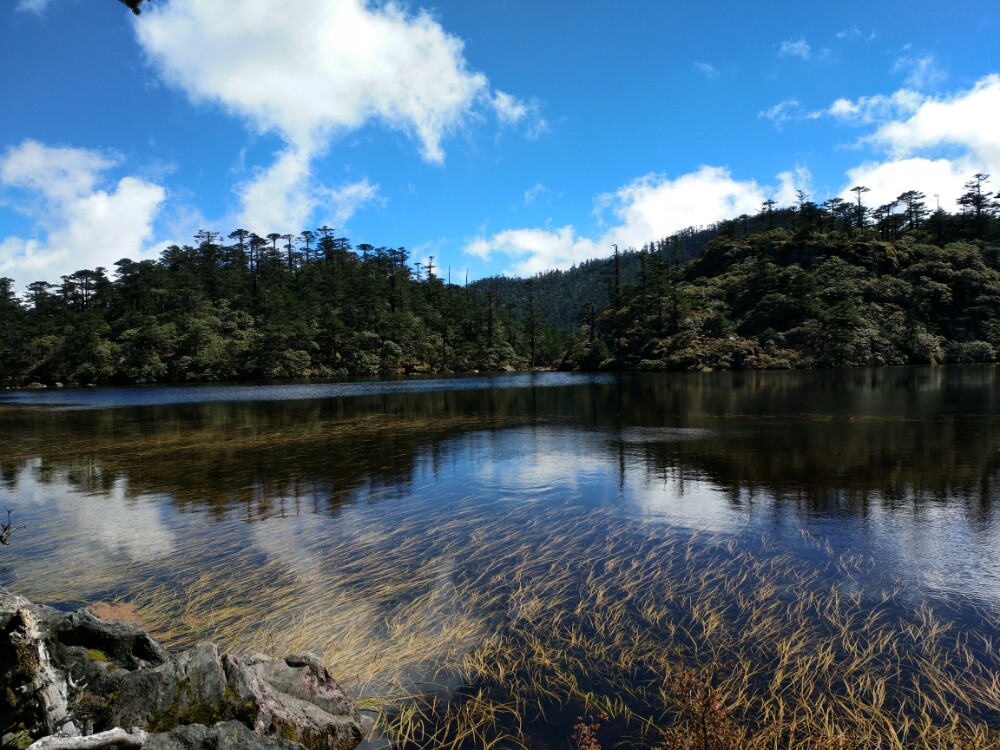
[{"x": 76, "y": 681}]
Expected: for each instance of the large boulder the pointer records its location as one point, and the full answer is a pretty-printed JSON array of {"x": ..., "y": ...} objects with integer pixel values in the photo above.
[
  {"x": 72, "y": 673},
  {"x": 226, "y": 735}
]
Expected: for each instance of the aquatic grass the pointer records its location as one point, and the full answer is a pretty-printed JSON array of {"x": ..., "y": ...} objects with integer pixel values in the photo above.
[{"x": 499, "y": 626}]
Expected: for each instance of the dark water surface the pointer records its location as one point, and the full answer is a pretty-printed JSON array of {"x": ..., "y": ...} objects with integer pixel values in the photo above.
[{"x": 397, "y": 528}]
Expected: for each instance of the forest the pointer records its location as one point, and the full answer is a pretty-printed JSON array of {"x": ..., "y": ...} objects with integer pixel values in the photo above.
[{"x": 812, "y": 285}]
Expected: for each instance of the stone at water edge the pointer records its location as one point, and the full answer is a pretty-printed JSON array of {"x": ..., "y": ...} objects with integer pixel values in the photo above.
[
  {"x": 68, "y": 671},
  {"x": 229, "y": 735}
]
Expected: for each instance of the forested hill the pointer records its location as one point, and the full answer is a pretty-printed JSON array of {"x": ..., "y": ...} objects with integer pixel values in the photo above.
[
  {"x": 810, "y": 286},
  {"x": 256, "y": 309},
  {"x": 816, "y": 289},
  {"x": 563, "y": 298}
]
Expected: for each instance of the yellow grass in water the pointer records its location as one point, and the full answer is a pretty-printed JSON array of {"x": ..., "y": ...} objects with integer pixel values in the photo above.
[{"x": 465, "y": 635}]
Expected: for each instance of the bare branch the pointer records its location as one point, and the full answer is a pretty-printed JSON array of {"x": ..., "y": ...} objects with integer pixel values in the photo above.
[{"x": 116, "y": 737}]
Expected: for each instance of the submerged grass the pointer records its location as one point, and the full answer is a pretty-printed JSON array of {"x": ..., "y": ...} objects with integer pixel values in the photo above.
[{"x": 500, "y": 633}]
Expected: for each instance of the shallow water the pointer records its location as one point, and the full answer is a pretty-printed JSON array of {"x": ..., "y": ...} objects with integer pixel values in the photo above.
[{"x": 401, "y": 528}]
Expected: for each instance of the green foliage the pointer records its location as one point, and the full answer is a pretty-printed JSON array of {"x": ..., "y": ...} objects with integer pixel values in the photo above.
[
  {"x": 840, "y": 284},
  {"x": 780, "y": 299},
  {"x": 248, "y": 311}
]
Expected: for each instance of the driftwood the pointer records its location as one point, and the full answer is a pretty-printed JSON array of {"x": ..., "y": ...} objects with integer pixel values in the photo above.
[
  {"x": 6, "y": 529},
  {"x": 117, "y": 737}
]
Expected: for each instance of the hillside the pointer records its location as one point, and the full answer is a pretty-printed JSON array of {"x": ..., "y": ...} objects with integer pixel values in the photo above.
[
  {"x": 810, "y": 298},
  {"x": 253, "y": 309},
  {"x": 811, "y": 286}
]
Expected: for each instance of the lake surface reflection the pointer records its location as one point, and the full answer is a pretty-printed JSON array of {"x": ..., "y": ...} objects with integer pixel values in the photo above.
[{"x": 401, "y": 528}]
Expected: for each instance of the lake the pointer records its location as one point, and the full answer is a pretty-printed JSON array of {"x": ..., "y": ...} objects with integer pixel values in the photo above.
[{"x": 797, "y": 556}]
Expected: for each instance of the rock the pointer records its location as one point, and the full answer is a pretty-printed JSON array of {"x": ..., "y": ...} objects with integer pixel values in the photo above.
[
  {"x": 68, "y": 670},
  {"x": 34, "y": 385},
  {"x": 123, "y": 642},
  {"x": 301, "y": 700},
  {"x": 189, "y": 688},
  {"x": 228, "y": 735}
]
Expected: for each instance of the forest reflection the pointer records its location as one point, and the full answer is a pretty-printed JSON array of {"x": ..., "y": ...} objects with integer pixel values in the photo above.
[
  {"x": 460, "y": 537},
  {"x": 818, "y": 442}
]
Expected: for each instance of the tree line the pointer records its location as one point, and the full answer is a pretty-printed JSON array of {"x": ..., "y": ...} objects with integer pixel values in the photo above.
[
  {"x": 811, "y": 285},
  {"x": 280, "y": 306}
]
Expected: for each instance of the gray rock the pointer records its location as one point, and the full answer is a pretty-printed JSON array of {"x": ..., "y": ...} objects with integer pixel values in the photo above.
[
  {"x": 124, "y": 643},
  {"x": 301, "y": 700},
  {"x": 189, "y": 688},
  {"x": 229, "y": 735},
  {"x": 77, "y": 670}
]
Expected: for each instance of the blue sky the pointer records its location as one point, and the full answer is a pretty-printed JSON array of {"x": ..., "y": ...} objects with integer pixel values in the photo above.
[{"x": 499, "y": 137}]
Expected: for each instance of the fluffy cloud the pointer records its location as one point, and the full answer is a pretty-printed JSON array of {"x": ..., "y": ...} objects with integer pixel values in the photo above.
[
  {"x": 646, "y": 209},
  {"x": 532, "y": 194},
  {"x": 867, "y": 110},
  {"x": 509, "y": 109},
  {"x": 937, "y": 148},
  {"x": 279, "y": 198},
  {"x": 535, "y": 250},
  {"x": 920, "y": 72},
  {"x": 283, "y": 197},
  {"x": 305, "y": 70},
  {"x": 966, "y": 120},
  {"x": 851, "y": 34},
  {"x": 513, "y": 111},
  {"x": 706, "y": 69},
  {"x": 59, "y": 174},
  {"x": 887, "y": 180},
  {"x": 349, "y": 198},
  {"x": 84, "y": 225},
  {"x": 654, "y": 206},
  {"x": 795, "y": 48},
  {"x": 33, "y": 6},
  {"x": 790, "y": 182},
  {"x": 782, "y": 112},
  {"x": 311, "y": 71}
]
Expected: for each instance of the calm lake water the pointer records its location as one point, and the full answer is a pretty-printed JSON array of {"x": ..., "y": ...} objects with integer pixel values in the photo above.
[{"x": 400, "y": 528}]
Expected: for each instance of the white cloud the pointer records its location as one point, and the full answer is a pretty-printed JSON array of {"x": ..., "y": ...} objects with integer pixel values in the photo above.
[
  {"x": 537, "y": 249},
  {"x": 795, "y": 48},
  {"x": 283, "y": 197},
  {"x": 33, "y": 6},
  {"x": 937, "y": 148},
  {"x": 511, "y": 111},
  {"x": 307, "y": 70},
  {"x": 58, "y": 173},
  {"x": 871, "y": 109},
  {"x": 887, "y": 180},
  {"x": 854, "y": 34},
  {"x": 789, "y": 183},
  {"x": 312, "y": 71},
  {"x": 648, "y": 208},
  {"x": 346, "y": 200},
  {"x": 653, "y": 206},
  {"x": 279, "y": 198},
  {"x": 532, "y": 194},
  {"x": 706, "y": 69},
  {"x": 921, "y": 72},
  {"x": 782, "y": 112},
  {"x": 84, "y": 224},
  {"x": 966, "y": 120}
]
